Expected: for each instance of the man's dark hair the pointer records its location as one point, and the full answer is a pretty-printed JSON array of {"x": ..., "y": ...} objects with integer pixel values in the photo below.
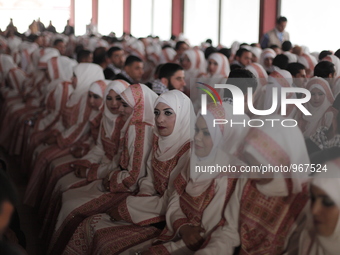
[
  {"x": 226, "y": 52},
  {"x": 274, "y": 46},
  {"x": 208, "y": 51},
  {"x": 83, "y": 54},
  {"x": 324, "y": 54},
  {"x": 178, "y": 44},
  {"x": 57, "y": 41},
  {"x": 337, "y": 53},
  {"x": 323, "y": 69},
  {"x": 112, "y": 50},
  {"x": 281, "y": 19},
  {"x": 168, "y": 69},
  {"x": 286, "y": 46},
  {"x": 7, "y": 190},
  {"x": 131, "y": 59},
  {"x": 32, "y": 37},
  {"x": 166, "y": 46},
  {"x": 281, "y": 61},
  {"x": 243, "y": 79},
  {"x": 209, "y": 41},
  {"x": 158, "y": 68},
  {"x": 240, "y": 52},
  {"x": 294, "y": 68},
  {"x": 99, "y": 55}
]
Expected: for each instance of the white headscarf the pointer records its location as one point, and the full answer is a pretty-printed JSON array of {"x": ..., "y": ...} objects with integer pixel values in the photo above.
[
  {"x": 317, "y": 112},
  {"x": 310, "y": 242},
  {"x": 267, "y": 53},
  {"x": 308, "y": 61},
  {"x": 223, "y": 68},
  {"x": 61, "y": 67},
  {"x": 86, "y": 73},
  {"x": 257, "y": 52},
  {"x": 6, "y": 64},
  {"x": 197, "y": 61},
  {"x": 225, "y": 140},
  {"x": 275, "y": 146},
  {"x": 47, "y": 55},
  {"x": 109, "y": 119},
  {"x": 142, "y": 100},
  {"x": 168, "y": 146}
]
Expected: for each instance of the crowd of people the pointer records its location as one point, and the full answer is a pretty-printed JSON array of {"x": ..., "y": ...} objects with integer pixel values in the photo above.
[{"x": 110, "y": 133}]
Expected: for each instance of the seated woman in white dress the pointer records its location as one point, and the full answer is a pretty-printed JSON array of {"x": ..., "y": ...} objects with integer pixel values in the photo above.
[
  {"x": 67, "y": 172},
  {"x": 320, "y": 106},
  {"x": 196, "y": 206},
  {"x": 264, "y": 212},
  {"x": 321, "y": 234},
  {"x": 139, "y": 219},
  {"x": 134, "y": 149}
]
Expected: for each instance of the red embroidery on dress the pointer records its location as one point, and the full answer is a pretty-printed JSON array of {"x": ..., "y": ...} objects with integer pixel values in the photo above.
[{"x": 266, "y": 221}]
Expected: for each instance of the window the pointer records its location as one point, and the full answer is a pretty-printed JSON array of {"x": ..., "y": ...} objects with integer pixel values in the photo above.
[
  {"x": 110, "y": 17},
  {"x": 201, "y": 21},
  {"x": 312, "y": 23},
  {"x": 240, "y": 21}
]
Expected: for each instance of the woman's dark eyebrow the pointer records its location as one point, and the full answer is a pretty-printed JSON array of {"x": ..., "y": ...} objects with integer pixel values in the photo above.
[{"x": 167, "y": 109}]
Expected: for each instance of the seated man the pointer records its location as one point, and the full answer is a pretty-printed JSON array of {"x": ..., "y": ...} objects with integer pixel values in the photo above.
[
  {"x": 171, "y": 76},
  {"x": 133, "y": 70}
]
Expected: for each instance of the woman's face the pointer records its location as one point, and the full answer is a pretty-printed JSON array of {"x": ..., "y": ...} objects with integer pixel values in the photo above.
[
  {"x": 212, "y": 66},
  {"x": 94, "y": 100},
  {"x": 325, "y": 212},
  {"x": 165, "y": 119},
  {"x": 113, "y": 102},
  {"x": 125, "y": 110},
  {"x": 268, "y": 62},
  {"x": 185, "y": 62},
  {"x": 203, "y": 140},
  {"x": 317, "y": 97}
]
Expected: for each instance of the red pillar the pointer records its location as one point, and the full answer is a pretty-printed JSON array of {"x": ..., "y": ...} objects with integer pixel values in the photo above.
[
  {"x": 268, "y": 14},
  {"x": 72, "y": 13},
  {"x": 127, "y": 16},
  {"x": 95, "y": 12},
  {"x": 177, "y": 17}
]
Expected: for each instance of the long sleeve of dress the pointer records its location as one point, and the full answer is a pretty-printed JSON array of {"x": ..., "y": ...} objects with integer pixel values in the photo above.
[
  {"x": 139, "y": 147},
  {"x": 149, "y": 206},
  {"x": 51, "y": 117},
  {"x": 225, "y": 238}
]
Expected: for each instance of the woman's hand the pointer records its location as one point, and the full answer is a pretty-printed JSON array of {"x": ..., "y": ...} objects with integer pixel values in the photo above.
[
  {"x": 77, "y": 152},
  {"x": 106, "y": 183},
  {"x": 114, "y": 214},
  {"x": 51, "y": 140},
  {"x": 191, "y": 236},
  {"x": 79, "y": 171}
]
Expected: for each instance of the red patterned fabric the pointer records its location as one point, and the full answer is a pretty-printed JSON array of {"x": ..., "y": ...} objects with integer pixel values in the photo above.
[{"x": 266, "y": 221}]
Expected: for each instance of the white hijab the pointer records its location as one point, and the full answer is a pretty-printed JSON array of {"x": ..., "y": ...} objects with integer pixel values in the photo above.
[
  {"x": 168, "y": 146},
  {"x": 317, "y": 112},
  {"x": 48, "y": 53},
  {"x": 6, "y": 64},
  {"x": 267, "y": 53},
  {"x": 60, "y": 69},
  {"x": 310, "y": 242},
  {"x": 275, "y": 146},
  {"x": 109, "y": 119},
  {"x": 86, "y": 73},
  {"x": 142, "y": 100},
  {"x": 308, "y": 61},
  {"x": 223, "y": 68},
  {"x": 198, "y": 65},
  {"x": 225, "y": 140}
]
